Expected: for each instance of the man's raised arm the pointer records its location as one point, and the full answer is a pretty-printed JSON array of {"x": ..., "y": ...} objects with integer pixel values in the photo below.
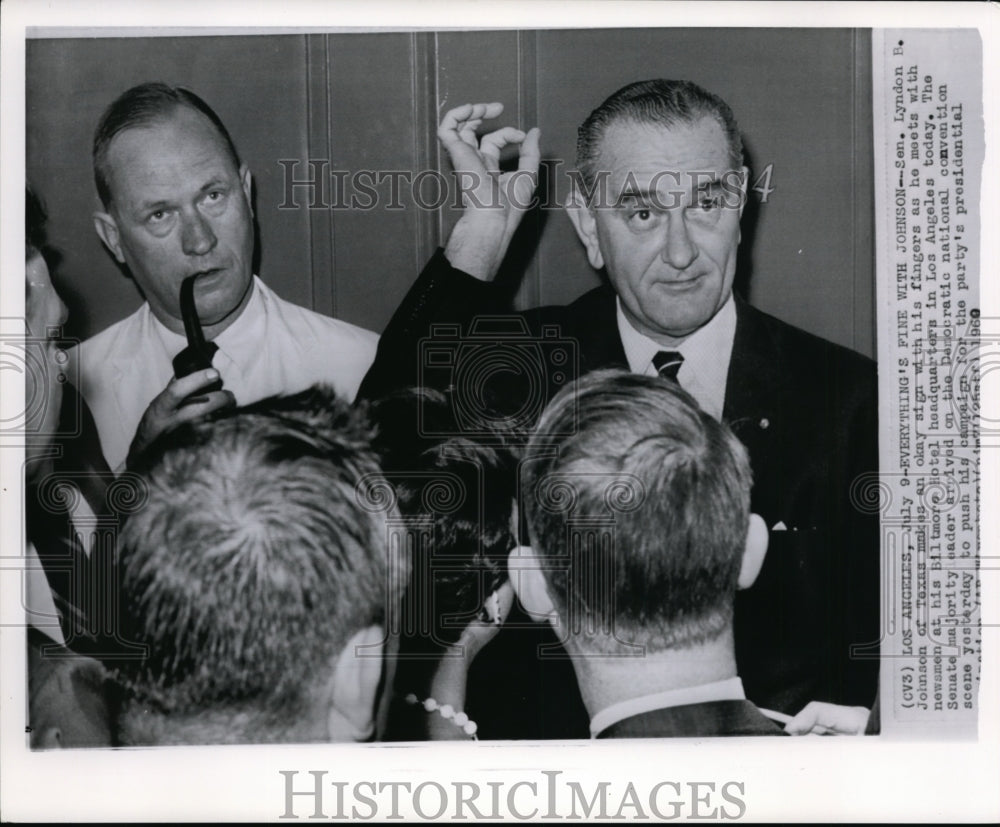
[{"x": 455, "y": 286}]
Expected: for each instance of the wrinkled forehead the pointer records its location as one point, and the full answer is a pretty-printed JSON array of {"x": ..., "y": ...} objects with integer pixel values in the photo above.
[
  {"x": 681, "y": 143},
  {"x": 688, "y": 157}
]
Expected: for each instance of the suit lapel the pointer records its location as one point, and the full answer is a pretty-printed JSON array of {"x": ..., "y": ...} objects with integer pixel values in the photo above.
[
  {"x": 595, "y": 327},
  {"x": 81, "y": 448},
  {"x": 754, "y": 380},
  {"x": 754, "y": 385}
]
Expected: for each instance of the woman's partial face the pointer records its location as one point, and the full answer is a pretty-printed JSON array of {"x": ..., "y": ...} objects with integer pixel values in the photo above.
[{"x": 43, "y": 359}]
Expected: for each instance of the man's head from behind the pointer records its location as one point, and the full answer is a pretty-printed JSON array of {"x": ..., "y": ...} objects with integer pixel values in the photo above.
[
  {"x": 638, "y": 504},
  {"x": 257, "y": 578},
  {"x": 663, "y": 187},
  {"x": 176, "y": 202}
]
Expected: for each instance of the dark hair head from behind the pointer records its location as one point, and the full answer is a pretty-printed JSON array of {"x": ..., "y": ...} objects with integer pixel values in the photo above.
[
  {"x": 252, "y": 560},
  {"x": 667, "y": 487},
  {"x": 140, "y": 106}
]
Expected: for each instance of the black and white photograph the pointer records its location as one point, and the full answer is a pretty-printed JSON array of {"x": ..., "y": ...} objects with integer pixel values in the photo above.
[{"x": 451, "y": 417}]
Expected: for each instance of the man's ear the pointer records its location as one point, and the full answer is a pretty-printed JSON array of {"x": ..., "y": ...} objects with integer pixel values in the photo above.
[
  {"x": 107, "y": 229},
  {"x": 753, "y": 555},
  {"x": 525, "y": 571},
  {"x": 246, "y": 181},
  {"x": 582, "y": 218},
  {"x": 355, "y": 682}
]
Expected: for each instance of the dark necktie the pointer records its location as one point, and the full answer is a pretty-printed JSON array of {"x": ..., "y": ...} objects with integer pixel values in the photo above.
[{"x": 668, "y": 363}]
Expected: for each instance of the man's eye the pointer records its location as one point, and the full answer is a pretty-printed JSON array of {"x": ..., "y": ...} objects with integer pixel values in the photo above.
[
  {"x": 641, "y": 216},
  {"x": 215, "y": 199},
  {"x": 707, "y": 202},
  {"x": 157, "y": 215}
]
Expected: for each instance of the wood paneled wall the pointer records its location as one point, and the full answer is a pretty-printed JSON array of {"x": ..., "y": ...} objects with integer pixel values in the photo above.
[{"x": 352, "y": 102}]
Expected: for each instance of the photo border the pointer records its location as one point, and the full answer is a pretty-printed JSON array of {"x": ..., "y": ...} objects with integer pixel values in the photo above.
[{"x": 810, "y": 779}]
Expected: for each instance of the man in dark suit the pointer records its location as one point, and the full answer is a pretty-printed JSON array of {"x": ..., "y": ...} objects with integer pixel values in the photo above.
[
  {"x": 638, "y": 509},
  {"x": 657, "y": 205}
]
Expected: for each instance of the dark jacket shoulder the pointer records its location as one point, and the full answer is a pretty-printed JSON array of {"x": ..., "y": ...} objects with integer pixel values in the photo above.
[{"x": 802, "y": 353}]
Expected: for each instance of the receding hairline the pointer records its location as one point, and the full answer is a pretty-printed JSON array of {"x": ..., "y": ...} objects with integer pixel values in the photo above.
[
  {"x": 625, "y": 121},
  {"x": 661, "y": 102},
  {"x": 157, "y": 120}
]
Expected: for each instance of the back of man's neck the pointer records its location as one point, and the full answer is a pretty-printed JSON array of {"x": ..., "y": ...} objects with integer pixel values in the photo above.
[{"x": 605, "y": 681}]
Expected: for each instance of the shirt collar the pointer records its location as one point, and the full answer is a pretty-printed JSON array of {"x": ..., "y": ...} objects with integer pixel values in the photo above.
[
  {"x": 243, "y": 330},
  {"x": 247, "y": 332},
  {"x": 706, "y": 354},
  {"x": 730, "y": 689}
]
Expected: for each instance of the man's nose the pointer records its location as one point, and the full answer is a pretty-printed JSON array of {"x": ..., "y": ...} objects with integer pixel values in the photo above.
[
  {"x": 197, "y": 237},
  {"x": 679, "y": 251}
]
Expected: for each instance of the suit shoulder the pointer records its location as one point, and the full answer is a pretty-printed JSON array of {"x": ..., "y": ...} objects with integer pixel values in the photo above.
[
  {"x": 808, "y": 352},
  {"x": 592, "y": 306}
]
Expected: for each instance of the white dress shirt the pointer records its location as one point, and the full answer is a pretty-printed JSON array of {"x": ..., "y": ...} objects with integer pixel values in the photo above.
[
  {"x": 730, "y": 689},
  {"x": 706, "y": 354},
  {"x": 273, "y": 347}
]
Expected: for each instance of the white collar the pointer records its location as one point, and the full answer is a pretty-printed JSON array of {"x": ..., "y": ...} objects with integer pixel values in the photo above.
[
  {"x": 706, "y": 354},
  {"x": 730, "y": 689},
  {"x": 230, "y": 338}
]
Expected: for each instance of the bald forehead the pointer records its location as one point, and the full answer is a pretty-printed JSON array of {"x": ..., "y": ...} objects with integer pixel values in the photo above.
[{"x": 183, "y": 129}]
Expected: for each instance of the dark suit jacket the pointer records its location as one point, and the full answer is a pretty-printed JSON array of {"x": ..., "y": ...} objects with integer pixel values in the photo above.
[
  {"x": 76, "y": 576},
  {"x": 695, "y": 721},
  {"x": 806, "y": 410}
]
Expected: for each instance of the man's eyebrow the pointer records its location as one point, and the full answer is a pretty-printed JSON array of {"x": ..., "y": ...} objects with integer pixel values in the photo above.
[
  {"x": 709, "y": 185},
  {"x": 214, "y": 183},
  {"x": 152, "y": 206},
  {"x": 644, "y": 195}
]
